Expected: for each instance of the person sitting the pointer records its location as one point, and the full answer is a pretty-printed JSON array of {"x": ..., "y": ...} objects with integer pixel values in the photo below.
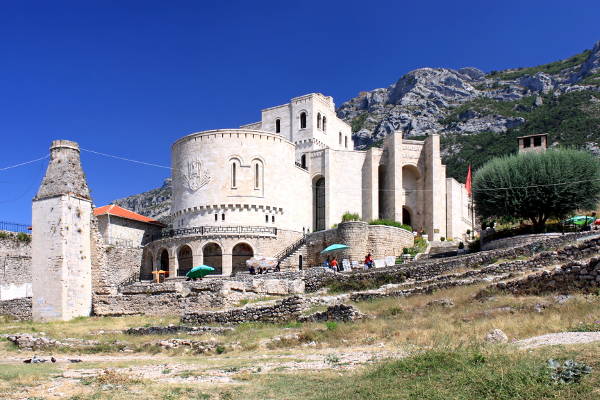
[
  {"x": 334, "y": 264},
  {"x": 369, "y": 261},
  {"x": 326, "y": 263}
]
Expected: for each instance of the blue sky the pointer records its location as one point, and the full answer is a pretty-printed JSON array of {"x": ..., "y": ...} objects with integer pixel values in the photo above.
[{"x": 130, "y": 77}]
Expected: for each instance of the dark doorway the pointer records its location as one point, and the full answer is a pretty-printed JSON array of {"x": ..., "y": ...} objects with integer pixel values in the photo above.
[
  {"x": 406, "y": 220},
  {"x": 382, "y": 203},
  {"x": 164, "y": 261},
  {"x": 185, "y": 260},
  {"x": 146, "y": 270},
  {"x": 213, "y": 257},
  {"x": 319, "y": 204},
  {"x": 240, "y": 253},
  {"x": 300, "y": 262}
]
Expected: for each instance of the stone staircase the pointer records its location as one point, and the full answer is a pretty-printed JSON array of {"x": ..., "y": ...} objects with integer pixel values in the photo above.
[{"x": 288, "y": 257}]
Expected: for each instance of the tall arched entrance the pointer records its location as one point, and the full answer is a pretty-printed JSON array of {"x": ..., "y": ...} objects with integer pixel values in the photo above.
[
  {"x": 382, "y": 193},
  {"x": 146, "y": 270},
  {"x": 319, "y": 204},
  {"x": 213, "y": 257},
  {"x": 184, "y": 260},
  {"x": 240, "y": 253},
  {"x": 164, "y": 261}
]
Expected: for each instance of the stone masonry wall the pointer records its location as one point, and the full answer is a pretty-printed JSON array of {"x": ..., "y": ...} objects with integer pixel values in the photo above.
[
  {"x": 15, "y": 267},
  {"x": 17, "y": 308}
]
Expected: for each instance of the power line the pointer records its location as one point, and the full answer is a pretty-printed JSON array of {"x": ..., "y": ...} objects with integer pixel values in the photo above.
[
  {"x": 24, "y": 163},
  {"x": 126, "y": 159}
]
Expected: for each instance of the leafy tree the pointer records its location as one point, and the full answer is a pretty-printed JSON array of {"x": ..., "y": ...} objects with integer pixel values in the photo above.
[{"x": 537, "y": 186}]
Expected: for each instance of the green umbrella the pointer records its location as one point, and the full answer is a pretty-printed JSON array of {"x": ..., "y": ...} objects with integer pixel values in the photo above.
[
  {"x": 580, "y": 220},
  {"x": 334, "y": 247},
  {"x": 199, "y": 271}
]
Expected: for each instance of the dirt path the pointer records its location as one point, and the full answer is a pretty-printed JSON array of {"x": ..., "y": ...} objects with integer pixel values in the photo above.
[{"x": 553, "y": 339}]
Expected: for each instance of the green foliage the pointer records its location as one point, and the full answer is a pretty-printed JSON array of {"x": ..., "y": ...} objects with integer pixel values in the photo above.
[
  {"x": 551, "y": 68},
  {"x": 23, "y": 237},
  {"x": 442, "y": 239},
  {"x": 348, "y": 216},
  {"x": 358, "y": 122},
  {"x": 592, "y": 79},
  {"x": 419, "y": 247},
  {"x": 220, "y": 349},
  {"x": 4, "y": 235},
  {"x": 488, "y": 106},
  {"x": 568, "y": 372},
  {"x": 540, "y": 185},
  {"x": 331, "y": 325},
  {"x": 390, "y": 222},
  {"x": 332, "y": 359},
  {"x": 572, "y": 119}
]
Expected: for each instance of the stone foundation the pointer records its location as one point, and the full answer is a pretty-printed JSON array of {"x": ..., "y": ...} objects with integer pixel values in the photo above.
[{"x": 17, "y": 308}]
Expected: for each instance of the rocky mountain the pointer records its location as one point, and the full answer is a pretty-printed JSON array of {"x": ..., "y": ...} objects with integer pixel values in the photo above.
[
  {"x": 155, "y": 203},
  {"x": 478, "y": 114}
]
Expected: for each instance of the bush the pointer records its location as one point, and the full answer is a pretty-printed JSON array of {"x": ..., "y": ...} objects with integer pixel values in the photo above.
[
  {"x": 348, "y": 216},
  {"x": 442, "y": 238},
  {"x": 390, "y": 222},
  {"x": 537, "y": 186},
  {"x": 23, "y": 237}
]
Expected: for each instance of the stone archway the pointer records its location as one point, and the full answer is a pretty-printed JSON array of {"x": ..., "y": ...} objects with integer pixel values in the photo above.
[
  {"x": 164, "y": 261},
  {"x": 146, "y": 269},
  {"x": 239, "y": 255},
  {"x": 319, "y": 204},
  {"x": 213, "y": 257},
  {"x": 184, "y": 260}
]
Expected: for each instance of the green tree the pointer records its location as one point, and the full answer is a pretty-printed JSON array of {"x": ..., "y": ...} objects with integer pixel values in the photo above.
[{"x": 537, "y": 186}]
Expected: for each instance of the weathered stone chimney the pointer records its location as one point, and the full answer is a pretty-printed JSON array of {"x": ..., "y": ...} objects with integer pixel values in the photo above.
[{"x": 61, "y": 254}]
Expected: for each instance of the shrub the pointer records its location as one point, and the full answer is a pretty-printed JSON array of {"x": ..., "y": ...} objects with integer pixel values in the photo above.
[
  {"x": 331, "y": 325},
  {"x": 23, "y": 237},
  {"x": 537, "y": 186},
  {"x": 568, "y": 372},
  {"x": 348, "y": 216},
  {"x": 390, "y": 222},
  {"x": 442, "y": 238},
  {"x": 4, "y": 235}
]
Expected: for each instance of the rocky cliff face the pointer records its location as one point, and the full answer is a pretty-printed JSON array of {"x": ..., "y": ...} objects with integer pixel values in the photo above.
[
  {"x": 420, "y": 101},
  {"x": 155, "y": 203}
]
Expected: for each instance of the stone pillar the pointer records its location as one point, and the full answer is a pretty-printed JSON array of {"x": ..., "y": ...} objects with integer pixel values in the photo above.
[
  {"x": 61, "y": 247},
  {"x": 371, "y": 186},
  {"x": 435, "y": 194},
  {"x": 227, "y": 263}
]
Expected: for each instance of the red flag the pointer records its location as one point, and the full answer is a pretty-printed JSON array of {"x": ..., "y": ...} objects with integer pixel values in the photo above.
[{"x": 468, "y": 183}]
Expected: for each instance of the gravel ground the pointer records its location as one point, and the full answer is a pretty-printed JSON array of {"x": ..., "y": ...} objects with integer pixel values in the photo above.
[{"x": 553, "y": 339}]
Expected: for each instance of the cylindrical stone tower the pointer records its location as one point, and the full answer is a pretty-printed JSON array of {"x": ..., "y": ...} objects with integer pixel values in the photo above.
[{"x": 61, "y": 254}]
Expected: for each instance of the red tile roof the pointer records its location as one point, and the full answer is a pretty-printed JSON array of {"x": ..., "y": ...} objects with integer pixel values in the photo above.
[{"x": 113, "y": 209}]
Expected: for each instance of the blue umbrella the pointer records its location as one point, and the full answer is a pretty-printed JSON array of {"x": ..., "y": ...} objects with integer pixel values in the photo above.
[
  {"x": 334, "y": 247},
  {"x": 199, "y": 271}
]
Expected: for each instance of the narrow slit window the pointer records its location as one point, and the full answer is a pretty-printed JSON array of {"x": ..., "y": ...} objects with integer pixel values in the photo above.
[
  {"x": 266, "y": 218},
  {"x": 256, "y": 176},
  {"x": 302, "y": 120},
  {"x": 340, "y": 138},
  {"x": 233, "y": 175},
  {"x": 272, "y": 218},
  {"x": 324, "y": 124},
  {"x": 216, "y": 217},
  {"x": 277, "y": 126},
  {"x": 319, "y": 121},
  {"x": 222, "y": 217},
  {"x": 346, "y": 141}
]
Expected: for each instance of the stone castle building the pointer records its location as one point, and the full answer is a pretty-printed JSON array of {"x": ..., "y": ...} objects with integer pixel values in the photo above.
[{"x": 259, "y": 189}]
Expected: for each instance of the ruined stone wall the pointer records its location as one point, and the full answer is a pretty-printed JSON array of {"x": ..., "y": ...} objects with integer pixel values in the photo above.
[
  {"x": 516, "y": 241},
  {"x": 15, "y": 266},
  {"x": 176, "y": 297},
  {"x": 283, "y": 310},
  {"x": 16, "y": 308}
]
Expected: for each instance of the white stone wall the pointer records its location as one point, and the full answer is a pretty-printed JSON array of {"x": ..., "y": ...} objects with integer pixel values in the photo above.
[
  {"x": 458, "y": 219},
  {"x": 281, "y": 195},
  {"x": 61, "y": 258},
  {"x": 125, "y": 232},
  {"x": 15, "y": 267}
]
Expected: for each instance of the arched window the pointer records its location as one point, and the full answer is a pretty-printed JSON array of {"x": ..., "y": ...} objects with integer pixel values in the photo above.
[
  {"x": 234, "y": 174},
  {"x": 324, "y": 124},
  {"x": 319, "y": 121},
  {"x": 340, "y": 138},
  {"x": 277, "y": 125},
  {"x": 346, "y": 141},
  {"x": 258, "y": 173},
  {"x": 302, "y": 120},
  {"x": 303, "y": 161}
]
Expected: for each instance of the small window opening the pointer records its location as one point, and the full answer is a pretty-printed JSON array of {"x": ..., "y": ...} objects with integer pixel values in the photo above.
[
  {"x": 222, "y": 217},
  {"x": 340, "y": 138},
  {"x": 302, "y": 120},
  {"x": 537, "y": 141},
  {"x": 527, "y": 142},
  {"x": 256, "y": 176},
  {"x": 216, "y": 217},
  {"x": 272, "y": 218},
  {"x": 233, "y": 175},
  {"x": 266, "y": 218},
  {"x": 346, "y": 141},
  {"x": 324, "y": 124},
  {"x": 319, "y": 120},
  {"x": 277, "y": 126},
  {"x": 303, "y": 161}
]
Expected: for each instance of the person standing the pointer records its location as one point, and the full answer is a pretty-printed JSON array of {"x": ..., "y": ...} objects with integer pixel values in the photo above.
[{"x": 334, "y": 265}]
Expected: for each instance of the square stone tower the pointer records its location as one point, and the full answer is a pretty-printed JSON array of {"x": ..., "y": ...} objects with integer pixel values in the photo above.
[{"x": 61, "y": 249}]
